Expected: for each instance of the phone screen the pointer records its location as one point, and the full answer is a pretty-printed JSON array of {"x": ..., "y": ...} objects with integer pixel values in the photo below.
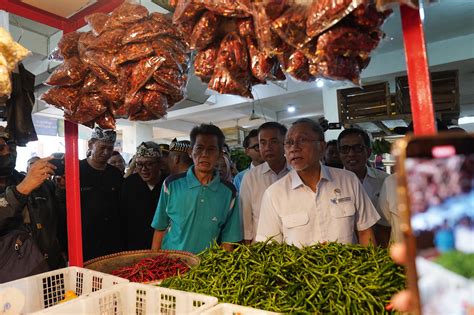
[{"x": 440, "y": 190}]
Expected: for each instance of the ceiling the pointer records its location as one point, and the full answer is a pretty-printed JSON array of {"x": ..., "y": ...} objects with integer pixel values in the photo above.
[{"x": 444, "y": 20}]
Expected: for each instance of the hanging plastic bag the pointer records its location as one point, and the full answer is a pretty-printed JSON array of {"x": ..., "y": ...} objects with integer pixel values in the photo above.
[
  {"x": 224, "y": 82},
  {"x": 233, "y": 54},
  {"x": 67, "y": 45},
  {"x": 132, "y": 104},
  {"x": 128, "y": 13},
  {"x": 170, "y": 78},
  {"x": 337, "y": 68},
  {"x": 323, "y": 14},
  {"x": 228, "y": 8},
  {"x": 72, "y": 71},
  {"x": 155, "y": 103},
  {"x": 187, "y": 11},
  {"x": 291, "y": 26},
  {"x": 260, "y": 63},
  {"x": 205, "y": 31},
  {"x": 106, "y": 121},
  {"x": 143, "y": 115},
  {"x": 144, "y": 32},
  {"x": 110, "y": 40},
  {"x": 245, "y": 27},
  {"x": 142, "y": 72},
  {"x": 366, "y": 17},
  {"x": 205, "y": 62},
  {"x": 133, "y": 52},
  {"x": 113, "y": 93},
  {"x": 90, "y": 107},
  {"x": 64, "y": 98},
  {"x": 264, "y": 13},
  {"x": 163, "y": 19},
  {"x": 92, "y": 83},
  {"x": 97, "y": 22},
  {"x": 297, "y": 66}
]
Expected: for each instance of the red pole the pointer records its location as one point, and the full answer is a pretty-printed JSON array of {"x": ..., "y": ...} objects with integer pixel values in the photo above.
[
  {"x": 418, "y": 72},
  {"x": 73, "y": 191}
]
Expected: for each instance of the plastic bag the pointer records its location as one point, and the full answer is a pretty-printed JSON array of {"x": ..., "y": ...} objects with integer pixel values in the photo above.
[
  {"x": 367, "y": 17},
  {"x": 133, "y": 52},
  {"x": 297, "y": 66},
  {"x": 187, "y": 11},
  {"x": 245, "y": 27},
  {"x": 155, "y": 103},
  {"x": 228, "y": 8},
  {"x": 163, "y": 19},
  {"x": 171, "y": 79},
  {"x": 260, "y": 63},
  {"x": 5, "y": 82},
  {"x": 72, "y": 71},
  {"x": 67, "y": 45},
  {"x": 85, "y": 40},
  {"x": 224, "y": 82},
  {"x": 91, "y": 106},
  {"x": 323, "y": 14},
  {"x": 65, "y": 98},
  {"x": 142, "y": 72},
  {"x": 233, "y": 54},
  {"x": 268, "y": 41},
  {"x": 205, "y": 62},
  {"x": 104, "y": 60},
  {"x": 106, "y": 121},
  {"x": 110, "y": 40},
  {"x": 91, "y": 83},
  {"x": 128, "y": 13},
  {"x": 291, "y": 26},
  {"x": 178, "y": 46},
  {"x": 337, "y": 68},
  {"x": 113, "y": 93},
  {"x": 97, "y": 22},
  {"x": 133, "y": 104},
  {"x": 174, "y": 98},
  {"x": 383, "y": 5},
  {"x": 205, "y": 31},
  {"x": 143, "y": 115},
  {"x": 179, "y": 62},
  {"x": 11, "y": 50},
  {"x": 144, "y": 31}
]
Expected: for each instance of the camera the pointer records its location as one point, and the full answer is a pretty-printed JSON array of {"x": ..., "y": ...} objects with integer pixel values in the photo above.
[{"x": 58, "y": 161}]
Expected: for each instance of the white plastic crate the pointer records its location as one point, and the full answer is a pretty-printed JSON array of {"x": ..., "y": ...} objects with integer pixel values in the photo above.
[
  {"x": 47, "y": 289},
  {"x": 135, "y": 298},
  {"x": 233, "y": 309}
]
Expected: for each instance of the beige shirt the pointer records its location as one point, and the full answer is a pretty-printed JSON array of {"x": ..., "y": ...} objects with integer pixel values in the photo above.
[
  {"x": 291, "y": 212},
  {"x": 373, "y": 184},
  {"x": 254, "y": 184}
]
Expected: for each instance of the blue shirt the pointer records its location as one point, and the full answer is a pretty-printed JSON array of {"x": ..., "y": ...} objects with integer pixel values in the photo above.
[
  {"x": 195, "y": 214},
  {"x": 238, "y": 179}
]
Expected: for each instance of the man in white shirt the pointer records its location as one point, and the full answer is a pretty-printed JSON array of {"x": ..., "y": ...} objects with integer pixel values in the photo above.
[
  {"x": 315, "y": 203},
  {"x": 253, "y": 152},
  {"x": 271, "y": 136},
  {"x": 354, "y": 149},
  {"x": 387, "y": 203}
]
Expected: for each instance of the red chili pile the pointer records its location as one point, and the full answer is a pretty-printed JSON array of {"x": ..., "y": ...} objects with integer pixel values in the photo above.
[{"x": 152, "y": 269}]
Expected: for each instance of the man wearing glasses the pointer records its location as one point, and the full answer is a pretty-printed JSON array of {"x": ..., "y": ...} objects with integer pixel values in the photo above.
[
  {"x": 198, "y": 208},
  {"x": 271, "y": 136},
  {"x": 354, "y": 149},
  {"x": 253, "y": 152},
  {"x": 139, "y": 197},
  {"x": 315, "y": 203},
  {"x": 100, "y": 189}
]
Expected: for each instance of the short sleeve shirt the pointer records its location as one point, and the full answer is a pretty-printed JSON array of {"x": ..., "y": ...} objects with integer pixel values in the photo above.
[
  {"x": 292, "y": 213},
  {"x": 373, "y": 184},
  {"x": 196, "y": 215}
]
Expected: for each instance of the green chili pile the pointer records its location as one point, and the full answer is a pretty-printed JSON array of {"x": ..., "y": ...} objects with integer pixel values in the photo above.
[{"x": 324, "y": 278}]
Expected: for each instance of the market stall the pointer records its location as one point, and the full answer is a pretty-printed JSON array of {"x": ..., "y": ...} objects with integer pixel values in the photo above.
[{"x": 221, "y": 35}]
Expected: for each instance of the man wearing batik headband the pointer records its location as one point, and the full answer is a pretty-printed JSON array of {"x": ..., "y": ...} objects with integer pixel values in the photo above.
[
  {"x": 179, "y": 160},
  {"x": 139, "y": 197},
  {"x": 100, "y": 189}
]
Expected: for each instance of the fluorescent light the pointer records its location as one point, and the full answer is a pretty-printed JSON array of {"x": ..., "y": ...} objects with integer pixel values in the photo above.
[
  {"x": 291, "y": 109},
  {"x": 466, "y": 120},
  {"x": 319, "y": 83}
]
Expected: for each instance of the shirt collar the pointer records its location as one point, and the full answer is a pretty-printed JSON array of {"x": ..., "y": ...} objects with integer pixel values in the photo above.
[
  {"x": 297, "y": 182},
  {"x": 193, "y": 182},
  {"x": 371, "y": 172},
  {"x": 266, "y": 168}
]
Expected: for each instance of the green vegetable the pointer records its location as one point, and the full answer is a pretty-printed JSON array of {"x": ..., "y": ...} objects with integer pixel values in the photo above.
[
  {"x": 458, "y": 262},
  {"x": 324, "y": 278}
]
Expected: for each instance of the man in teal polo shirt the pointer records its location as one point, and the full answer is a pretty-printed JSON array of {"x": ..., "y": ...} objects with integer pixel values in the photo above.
[{"x": 197, "y": 208}]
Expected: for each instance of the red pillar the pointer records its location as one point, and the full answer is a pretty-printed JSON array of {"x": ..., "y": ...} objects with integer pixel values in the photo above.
[{"x": 418, "y": 72}]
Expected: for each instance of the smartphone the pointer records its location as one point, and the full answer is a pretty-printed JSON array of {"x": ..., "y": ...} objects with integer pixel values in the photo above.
[
  {"x": 58, "y": 161},
  {"x": 435, "y": 187}
]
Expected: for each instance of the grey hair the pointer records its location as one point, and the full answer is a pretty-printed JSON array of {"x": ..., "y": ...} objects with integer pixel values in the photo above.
[{"x": 316, "y": 127}]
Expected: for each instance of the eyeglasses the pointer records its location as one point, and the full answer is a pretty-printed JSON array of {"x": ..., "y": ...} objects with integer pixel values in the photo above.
[
  {"x": 147, "y": 165},
  {"x": 300, "y": 142},
  {"x": 255, "y": 147},
  {"x": 357, "y": 148}
]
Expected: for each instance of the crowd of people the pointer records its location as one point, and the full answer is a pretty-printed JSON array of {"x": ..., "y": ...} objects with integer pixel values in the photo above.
[{"x": 188, "y": 194}]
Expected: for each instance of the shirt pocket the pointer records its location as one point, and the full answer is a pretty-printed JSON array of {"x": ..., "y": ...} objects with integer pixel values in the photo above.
[
  {"x": 342, "y": 222},
  {"x": 295, "y": 220}
]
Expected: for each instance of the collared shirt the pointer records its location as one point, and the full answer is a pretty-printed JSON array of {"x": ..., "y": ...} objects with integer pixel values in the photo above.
[
  {"x": 195, "y": 214},
  {"x": 387, "y": 204},
  {"x": 292, "y": 213},
  {"x": 254, "y": 184},
  {"x": 373, "y": 184}
]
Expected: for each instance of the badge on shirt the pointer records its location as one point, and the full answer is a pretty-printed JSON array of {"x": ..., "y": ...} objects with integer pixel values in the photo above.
[{"x": 337, "y": 197}]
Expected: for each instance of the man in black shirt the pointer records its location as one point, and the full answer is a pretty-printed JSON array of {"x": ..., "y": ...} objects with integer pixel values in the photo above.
[
  {"x": 139, "y": 196},
  {"x": 100, "y": 189}
]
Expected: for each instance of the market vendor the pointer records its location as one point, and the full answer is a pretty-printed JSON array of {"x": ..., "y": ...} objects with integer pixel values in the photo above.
[
  {"x": 100, "y": 189},
  {"x": 315, "y": 203},
  {"x": 197, "y": 208}
]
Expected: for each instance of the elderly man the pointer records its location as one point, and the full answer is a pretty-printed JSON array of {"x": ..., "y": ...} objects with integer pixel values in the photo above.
[
  {"x": 271, "y": 136},
  {"x": 139, "y": 197},
  {"x": 197, "y": 208},
  {"x": 100, "y": 189},
  {"x": 179, "y": 160},
  {"x": 354, "y": 149},
  {"x": 315, "y": 203}
]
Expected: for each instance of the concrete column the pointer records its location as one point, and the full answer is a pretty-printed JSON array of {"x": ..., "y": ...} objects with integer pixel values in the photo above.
[{"x": 133, "y": 134}]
